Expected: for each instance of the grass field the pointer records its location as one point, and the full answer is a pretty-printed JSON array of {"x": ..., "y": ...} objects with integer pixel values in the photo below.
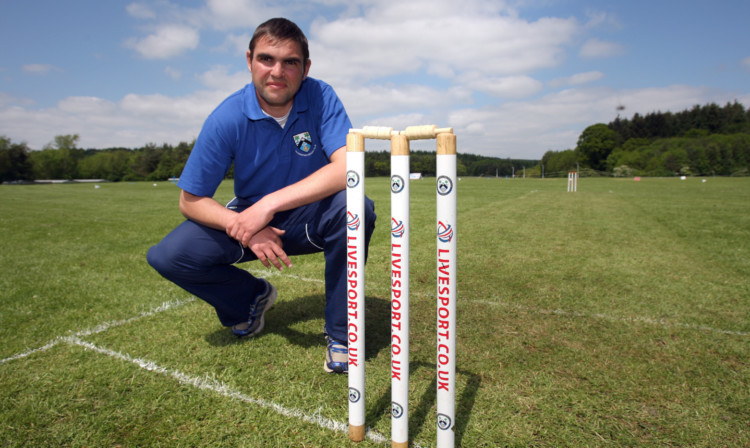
[{"x": 615, "y": 316}]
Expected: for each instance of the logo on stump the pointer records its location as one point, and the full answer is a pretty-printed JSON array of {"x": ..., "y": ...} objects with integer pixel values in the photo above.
[
  {"x": 396, "y": 410},
  {"x": 397, "y": 228},
  {"x": 444, "y": 232},
  {"x": 443, "y": 422},
  {"x": 397, "y": 184},
  {"x": 444, "y": 185},
  {"x": 352, "y": 221},
  {"x": 352, "y": 179},
  {"x": 354, "y": 395}
]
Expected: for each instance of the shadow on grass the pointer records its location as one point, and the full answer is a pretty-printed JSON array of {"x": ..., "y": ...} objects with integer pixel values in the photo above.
[
  {"x": 419, "y": 415},
  {"x": 284, "y": 315}
]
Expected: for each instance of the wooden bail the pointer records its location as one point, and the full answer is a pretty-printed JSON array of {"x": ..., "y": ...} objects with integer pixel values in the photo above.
[
  {"x": 424, "y": 132},
  {"x": 446, "y": 144}
]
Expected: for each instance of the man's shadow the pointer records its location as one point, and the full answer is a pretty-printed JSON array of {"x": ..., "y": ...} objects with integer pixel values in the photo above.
[{"x": 286, "y": 314}]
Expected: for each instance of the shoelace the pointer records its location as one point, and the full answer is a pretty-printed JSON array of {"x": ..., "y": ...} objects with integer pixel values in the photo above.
[{"x": 338, "y": 348}]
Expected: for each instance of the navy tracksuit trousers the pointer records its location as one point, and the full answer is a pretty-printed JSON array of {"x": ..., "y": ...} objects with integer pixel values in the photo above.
[{"x": 200, "y": 259}]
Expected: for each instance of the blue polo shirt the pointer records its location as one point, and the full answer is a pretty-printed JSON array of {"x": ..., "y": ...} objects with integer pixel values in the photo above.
[{"x": 266, "y": 156}]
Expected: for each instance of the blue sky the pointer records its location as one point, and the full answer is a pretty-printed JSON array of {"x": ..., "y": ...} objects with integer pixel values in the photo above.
[{"x": 513, "y": 78}]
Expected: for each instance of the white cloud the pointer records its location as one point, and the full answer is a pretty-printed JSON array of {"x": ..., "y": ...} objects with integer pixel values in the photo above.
[
  {"x": 140, "y": 11},
  {"x": 166, "y": 42},
  {"x": 360, "y": 49},
  {"x": 236, "y": 44},
  {"x": 173, "y": 73},
  {"x": 508, "y": 86},
  {"x": 577, "y": 79},
  {"x": 228, "y": 14},
  {"x": 131, "y": 122},
  {"x": 86, "y": 105},
  {"x": 527, "y": 129},
  {"x": 600, "y": 19},
  {"x": 218, "y": 78},
  {"x": 40, "y": 69},
  {"x": 7, "y": 100},
  {"x": 595, "y": 48},
  {"x": 365, "y": 102}
]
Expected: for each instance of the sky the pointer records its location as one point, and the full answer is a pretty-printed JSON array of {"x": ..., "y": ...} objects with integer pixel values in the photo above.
[{"x": 514, "y": 78}]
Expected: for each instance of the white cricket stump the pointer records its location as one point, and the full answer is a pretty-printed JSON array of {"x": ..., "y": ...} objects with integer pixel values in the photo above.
[
  {"x": 572, "y": 181},
  {"x": 446, "y": 289},
  {"x": 400, "y": 201},
  {"x": 355, "y": 272}
]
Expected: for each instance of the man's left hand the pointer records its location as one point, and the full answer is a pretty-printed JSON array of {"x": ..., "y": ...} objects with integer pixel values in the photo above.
[{"x": 268, "y": 247}]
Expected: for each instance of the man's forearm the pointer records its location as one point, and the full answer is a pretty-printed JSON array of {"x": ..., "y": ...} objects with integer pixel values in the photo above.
[
  {"x": 242, "y": 226},
  {"x": 319, "y": 185},
  {"x": 205, "y": 210}
]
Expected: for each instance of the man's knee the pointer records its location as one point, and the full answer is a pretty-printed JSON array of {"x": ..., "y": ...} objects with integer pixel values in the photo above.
[
  {"x": 160, "y": 260},
  {"x": 174, "y": 256}
]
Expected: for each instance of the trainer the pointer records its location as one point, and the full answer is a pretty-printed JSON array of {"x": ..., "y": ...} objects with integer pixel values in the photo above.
[{"x": 286, "y": 135}]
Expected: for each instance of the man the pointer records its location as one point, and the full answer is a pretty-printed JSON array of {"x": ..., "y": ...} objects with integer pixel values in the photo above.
[{"x": 286, "y": 135}]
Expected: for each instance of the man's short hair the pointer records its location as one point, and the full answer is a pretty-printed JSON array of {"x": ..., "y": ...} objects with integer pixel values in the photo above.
[{"x": 279, "y": 29}]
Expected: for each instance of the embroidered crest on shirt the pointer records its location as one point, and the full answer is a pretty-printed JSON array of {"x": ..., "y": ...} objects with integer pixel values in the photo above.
[{"x": 304, "y": 144}]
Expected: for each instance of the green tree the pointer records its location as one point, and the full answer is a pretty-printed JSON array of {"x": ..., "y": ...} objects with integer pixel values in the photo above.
[
  {"x": 595, "y": 144},
  {"x": 559, "y": 163},
  {"x": 171, "y": 161},
  {"x": 144, "y": 161},
  {"x": 15, "y": 163},
  {"x": 106, "y": 164},
  {"x": 423, "y": 162},
  {"x": 67, "y": 154},
  {"x": 45, "y": 164}
]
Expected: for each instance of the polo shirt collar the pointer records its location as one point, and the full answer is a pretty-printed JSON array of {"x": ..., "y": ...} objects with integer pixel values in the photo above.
[{"x": 254, "y": 112}]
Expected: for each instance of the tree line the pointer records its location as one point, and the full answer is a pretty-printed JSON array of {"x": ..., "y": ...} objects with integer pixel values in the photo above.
[
  {"x": 378, "y": 163},
  {"x": 704, "y": 140},
  {"x": 62, "y": 159}
]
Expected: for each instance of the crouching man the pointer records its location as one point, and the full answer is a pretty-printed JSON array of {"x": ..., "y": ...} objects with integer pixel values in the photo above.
[{"x": 286, "y": 135}]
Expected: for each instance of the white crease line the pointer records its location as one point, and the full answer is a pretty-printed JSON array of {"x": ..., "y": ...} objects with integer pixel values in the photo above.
[
  {"x": 274, "y": 273},
  {"x": 116, "y": 323},
  {"x": 224, "y": 390},
  {"x": 103, "y": 327},
  {"x": 48, "y": 346},
  {"x": 645, "y": 320}
]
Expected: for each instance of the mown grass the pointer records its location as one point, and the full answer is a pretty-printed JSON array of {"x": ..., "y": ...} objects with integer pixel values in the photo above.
[{"x": 614, "y": 316}]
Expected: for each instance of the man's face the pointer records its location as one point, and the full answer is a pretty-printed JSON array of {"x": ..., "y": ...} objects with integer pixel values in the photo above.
[{"x": 278, "y": 70}]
